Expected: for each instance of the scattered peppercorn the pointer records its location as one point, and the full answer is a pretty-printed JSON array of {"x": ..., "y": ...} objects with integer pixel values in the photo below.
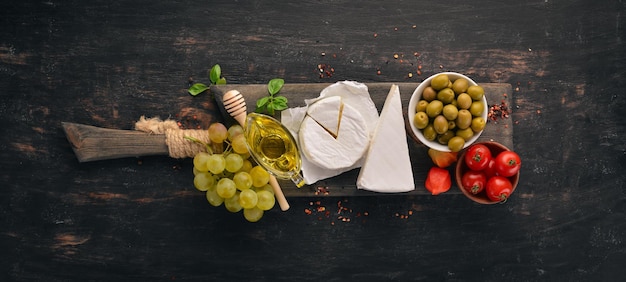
[{"x": 498, "y": 111}]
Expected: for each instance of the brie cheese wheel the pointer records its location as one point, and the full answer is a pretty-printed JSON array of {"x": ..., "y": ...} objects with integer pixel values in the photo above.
[
  {"x": 327, "y": 113},
  {"x": 387, "y": 167},
  {"x": 333, "y": 151}
]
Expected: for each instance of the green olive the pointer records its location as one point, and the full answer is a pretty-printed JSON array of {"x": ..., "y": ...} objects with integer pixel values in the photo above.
[
  {"x": 460, "y": 85},
  {"x": 450, "y": 112},
  {"x": 421, "y": 120},
  {"x": 445, "y": 137},
  {"x": 429, "y": 132},
  {"x": 464, "y": 101},
  {"x": 429, "y": 94},
  {"x": 445, "y": 95},
  {"x": 478, "y": 124},
  {"x": 466, "y": 134},
  {"x": 477, "y": 107},
  {"x": 434, "y": 108},
  {"x": 464, "y": 120},
  {"x": 421, "y": 106},
  {"x": 451, "y": 125},
  {"x": 440, "y": 81},
  {"x": 476, "y": 92},
  {"x": 440, "y": 124},
  {"x": 456, "y": 143}
]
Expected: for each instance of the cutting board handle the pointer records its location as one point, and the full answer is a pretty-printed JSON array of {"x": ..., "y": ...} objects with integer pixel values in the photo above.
[{"x": 91, "y": 143}]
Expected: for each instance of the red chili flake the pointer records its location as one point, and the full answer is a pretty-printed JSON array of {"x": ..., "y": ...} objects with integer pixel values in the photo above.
[
  {"x": 375, "y": 35},
  {"x": 308, "y": 211},
  {"x": 419, "y": 67},
  {"x": 419, "y": 72},
  {"x": 378, "y": 72}
]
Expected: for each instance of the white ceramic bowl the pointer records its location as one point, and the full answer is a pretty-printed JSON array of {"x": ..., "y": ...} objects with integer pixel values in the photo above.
[{"x": 417, "y": 95}]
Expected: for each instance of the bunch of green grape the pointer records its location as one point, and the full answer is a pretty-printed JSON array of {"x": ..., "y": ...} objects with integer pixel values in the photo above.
[{"x": 228, "y": 175}]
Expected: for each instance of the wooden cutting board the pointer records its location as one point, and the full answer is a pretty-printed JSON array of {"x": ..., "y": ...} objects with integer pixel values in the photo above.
[{"x": 345, "y": 184}]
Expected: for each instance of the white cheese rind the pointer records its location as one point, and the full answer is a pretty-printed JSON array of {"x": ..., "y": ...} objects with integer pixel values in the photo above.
[
  {"x": 327, "y": 113},
  {"x": 387, "y": 167},
  {"x": 326, "y": 151}
]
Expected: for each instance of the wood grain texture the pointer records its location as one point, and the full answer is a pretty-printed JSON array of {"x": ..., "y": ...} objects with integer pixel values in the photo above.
[{"x": 106, "y": 63}]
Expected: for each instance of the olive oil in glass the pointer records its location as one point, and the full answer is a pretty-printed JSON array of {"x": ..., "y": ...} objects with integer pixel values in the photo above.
[{"x": 273, "y": 147}]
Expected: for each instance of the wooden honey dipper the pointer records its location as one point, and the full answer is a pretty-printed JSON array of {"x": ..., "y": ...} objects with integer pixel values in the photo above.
[{"x": 235, "y": 105}]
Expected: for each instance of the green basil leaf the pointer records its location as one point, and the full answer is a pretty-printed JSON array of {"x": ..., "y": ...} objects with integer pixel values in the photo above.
[
  {"x": 262, "y": 102},
  {"x": 222, "y": 81},
  {"x": 197, "y": 89},
  {"x": 275, "y": 85},
  {"x": 280, "y": 103},
  {"x": 215, "y": 74},
  {"x": 270, "y": 108}
]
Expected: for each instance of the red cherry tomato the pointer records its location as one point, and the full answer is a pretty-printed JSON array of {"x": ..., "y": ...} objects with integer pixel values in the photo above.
[
  {"x": 490, "y": 170},
  {"x": 508, "y": 163},
  {"x": 474, "y": 181},
  {"x": 477, "y": 157},
  {"x": 499, "y": 188}
]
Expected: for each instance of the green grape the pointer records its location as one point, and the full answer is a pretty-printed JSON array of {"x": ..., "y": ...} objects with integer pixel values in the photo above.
[
  {"x": 200, "y": 161},
  {"x": 265, "y": 187},
  {"x": 226, "y": 188},
  {"x": 242, "y": 180},
  {"x": 265, "y": 200},
  {"x": 248, "y": 199},
  {"x": 233, "y": 131},
  {"x": 260, "y": 176},
  {"x": 239, "y": 144},
  {"x": 213, "y": 198},
  {"x": 232, "y": 203},
  {"x": 234, "y": 162},
  {"x": 216, "y": 163},
  {"x": 195, "y": 171},
  {"x": 253, "y": 214},
  {"x": 218, "y": 133},
  {"x": 247, "y": 165},
  {"x": 203, "y": 181}
]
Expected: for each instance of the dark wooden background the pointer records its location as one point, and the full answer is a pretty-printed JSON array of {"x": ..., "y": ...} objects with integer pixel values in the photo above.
[{"x": 105, "y": 63}]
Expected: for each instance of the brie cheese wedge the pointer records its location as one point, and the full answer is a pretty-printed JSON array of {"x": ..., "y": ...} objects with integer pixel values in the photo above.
[
  {"x": 387, "y": 166},
  {"x": 333, "y": 151},
  {"x": 327, "y": 113}
]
